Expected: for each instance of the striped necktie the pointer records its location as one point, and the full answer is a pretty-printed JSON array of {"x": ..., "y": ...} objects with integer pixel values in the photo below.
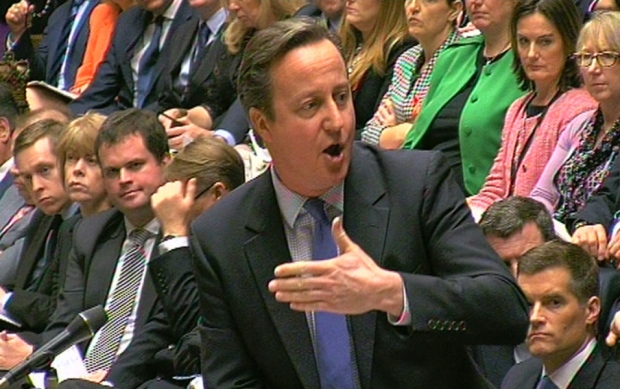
[
  {"x": 63, "y": 42},
  {"x": 146, "y": 66},
  {"x": 102, "y": 354},
  {"x": 333, "y": 341}
]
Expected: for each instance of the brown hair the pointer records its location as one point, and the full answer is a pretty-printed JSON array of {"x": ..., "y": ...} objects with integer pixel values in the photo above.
[{"x": 389, "y": 31}]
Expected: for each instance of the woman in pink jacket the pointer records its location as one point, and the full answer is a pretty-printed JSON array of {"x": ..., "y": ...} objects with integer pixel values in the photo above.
[{"x": 544, "y": 34}]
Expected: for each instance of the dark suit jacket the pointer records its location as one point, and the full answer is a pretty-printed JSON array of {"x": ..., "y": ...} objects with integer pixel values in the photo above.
[
  {"x": 41, "y": 60},
  {"x": 113, "y": 86},
  {"x": 408, "y": 214},
  {"x": 176, "y": 316},
  {"x": 602, "y": 205},
  {"x": 369, "y": 94},
  {"x": 32, "y": 304},
  {"x": 174, "y": 56},
  {"x": 596, "y": 373},
  {"x": 97, "y": 243}
]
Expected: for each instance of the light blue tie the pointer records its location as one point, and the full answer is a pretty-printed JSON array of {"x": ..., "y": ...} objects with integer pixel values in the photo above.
[{"x": 333, "y": 342}]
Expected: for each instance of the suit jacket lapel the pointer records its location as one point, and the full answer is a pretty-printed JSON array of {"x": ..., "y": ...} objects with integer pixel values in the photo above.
[
  {"x": 183, "y": 47},
  {"x": 32, "y": 254},
  {"x": 103, "y": 263},
  {"x": 366, "y": 214},
  {"x": 589, "y": 373},
  {"x": 265, "y": 249},
  {"x": 184, "y": 13}
]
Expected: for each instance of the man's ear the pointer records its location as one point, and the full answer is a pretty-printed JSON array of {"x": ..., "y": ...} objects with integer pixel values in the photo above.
[
  {"x": 5, "y": 130},
  {"x": 219, "y": 191},
  {"x": 593, "y": 310},
  {"x": 260, "y": 124}
]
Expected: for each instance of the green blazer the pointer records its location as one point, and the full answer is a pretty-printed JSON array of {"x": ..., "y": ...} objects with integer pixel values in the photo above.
[{"x": 482, "y": 119}]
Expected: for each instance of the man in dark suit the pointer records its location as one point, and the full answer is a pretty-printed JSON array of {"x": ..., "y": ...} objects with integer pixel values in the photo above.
[
  {"x": 31, "y": 298},
  {"x": 560, "y": 280},
  {"x": 61, "y": 51},
  {"x": 514, "y": 226},
  {"x": 111, "y": 248},
  {"x": 394, "y": 309},
  {"x": 128, "y": 77}
]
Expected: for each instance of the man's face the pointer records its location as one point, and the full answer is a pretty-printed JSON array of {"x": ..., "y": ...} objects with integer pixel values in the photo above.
[
  {"x": 131, "y": 174},
  {"x": 512, "y": 248},
  {"x": 330, "y": 8},
  {"x": 311, "y": 136},
  {"x": 558, "y": 321},
  {"x": 39, "y": 170}
]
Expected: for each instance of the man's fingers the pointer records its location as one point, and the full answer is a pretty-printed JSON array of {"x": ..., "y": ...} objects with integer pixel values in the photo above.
[
  {"x": 611, "y": 339},
  {"x": 344, "y": 243}
]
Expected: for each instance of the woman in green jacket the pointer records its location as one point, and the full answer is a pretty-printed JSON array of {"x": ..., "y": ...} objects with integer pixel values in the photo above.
[{"x": 471, "y": 89}]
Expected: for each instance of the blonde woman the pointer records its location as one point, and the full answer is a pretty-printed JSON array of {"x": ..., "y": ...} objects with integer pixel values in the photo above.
[{"x": 374, "y": 34}]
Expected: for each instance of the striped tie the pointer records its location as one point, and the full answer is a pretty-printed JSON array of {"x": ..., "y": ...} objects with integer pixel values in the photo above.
[{"x": 102, "y": 354}]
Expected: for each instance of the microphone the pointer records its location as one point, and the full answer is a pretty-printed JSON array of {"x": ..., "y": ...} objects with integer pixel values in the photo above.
[{"x": 81, "y": 328}]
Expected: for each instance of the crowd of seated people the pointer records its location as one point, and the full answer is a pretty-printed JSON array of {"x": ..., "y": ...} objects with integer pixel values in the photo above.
[{"x": 131, "y": 137}]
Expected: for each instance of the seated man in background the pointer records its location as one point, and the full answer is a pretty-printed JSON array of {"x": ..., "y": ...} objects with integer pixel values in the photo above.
[
  {"x": 198, "y": 176},
  {"x": 512, "y": 227},
  {"x": 560, "y": 281},
  {"x": 31, "y": 298}
]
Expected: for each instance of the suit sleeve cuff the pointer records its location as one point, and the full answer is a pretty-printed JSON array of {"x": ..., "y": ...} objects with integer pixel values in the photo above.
[
  {"x": 405, "y": 317},
  {"x": 227, "y": 136},
  {"x": 173, "y": 244}
]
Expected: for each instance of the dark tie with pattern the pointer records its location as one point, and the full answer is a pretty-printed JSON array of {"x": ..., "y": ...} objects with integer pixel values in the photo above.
[
  {"x": 102, "y": 354},
  {"x": 201, "y": 46},
  {"x": 333, "y": 342},
  {"x": 146, "y": 67},
  {"x": 546, "y": 383},
  {"x": 63, "y": 41}
]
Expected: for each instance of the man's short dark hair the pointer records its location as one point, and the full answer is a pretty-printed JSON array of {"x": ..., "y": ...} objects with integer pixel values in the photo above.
[
  {"x": 582, "y": 266},
  {"x": 506, "y": 217},
  {"x": 121, "y": 124},
  {"x": 8, "y": 106},
  {"x": 266, "y": 49}
]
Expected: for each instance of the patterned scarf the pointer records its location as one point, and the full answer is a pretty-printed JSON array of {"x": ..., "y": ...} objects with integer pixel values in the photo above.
[{"x": 584, "y": 171}]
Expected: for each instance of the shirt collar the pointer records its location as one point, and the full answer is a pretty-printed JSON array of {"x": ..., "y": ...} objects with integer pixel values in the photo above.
[
  {"x": 70, "y": 211},
  {"x": 291, "y": 203},
  {"x": 217, "y": 20},
  {"x": 565, "y": 374},
  {"x": 152, "y": 226},
  {"x": 172, "y": 9}
]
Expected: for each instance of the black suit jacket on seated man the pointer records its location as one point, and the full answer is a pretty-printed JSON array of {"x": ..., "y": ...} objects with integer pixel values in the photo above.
[
  {"x": 407, "y": 213},
  {"x": 596, "y": 373},
  {"x": 97, "y": 244},
  {"x": 113, "y": 87}
]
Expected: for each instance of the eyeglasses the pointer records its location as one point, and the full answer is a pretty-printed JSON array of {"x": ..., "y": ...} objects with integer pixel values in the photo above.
[
  {"x": 605, "y": 59},
  {"x": 205, "y": 190}
]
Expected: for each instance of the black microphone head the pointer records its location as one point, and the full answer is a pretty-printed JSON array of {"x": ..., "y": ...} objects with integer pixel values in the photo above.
[{"x": 88, "y": 322}]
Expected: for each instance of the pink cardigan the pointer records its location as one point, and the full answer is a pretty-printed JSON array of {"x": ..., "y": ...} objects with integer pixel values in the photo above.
[{"x": 560, "y": 113}]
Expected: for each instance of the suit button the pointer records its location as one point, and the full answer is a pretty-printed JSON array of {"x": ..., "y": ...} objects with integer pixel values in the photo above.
[
  {"x": 431, "y": 324},
  {"x": 462, "y": 326},
  {"x": 471, "y": 169},
  {"x": 474, "y": 99}
]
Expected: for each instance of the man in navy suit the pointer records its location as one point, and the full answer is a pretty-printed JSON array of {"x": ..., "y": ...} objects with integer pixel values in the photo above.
[
  {"x": 414, "y": 280},
  {"x": 61, "y": 51},
  {"x": 128, "y": 77},
  {"x": 560, "y": 281}
]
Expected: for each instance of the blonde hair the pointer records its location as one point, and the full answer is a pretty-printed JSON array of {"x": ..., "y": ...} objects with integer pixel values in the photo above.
[
  {"x": 270, "y": 11},
  {"x": 389, "y": 31},
  {"x": 602, "y": 29},
  {"x": 79, "y": 137}
]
